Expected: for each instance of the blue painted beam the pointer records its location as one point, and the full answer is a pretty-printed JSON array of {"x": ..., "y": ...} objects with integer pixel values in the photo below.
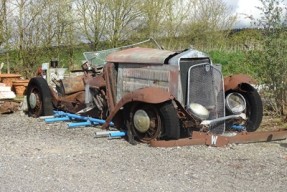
[
  {"x": 81, "y": 124},
  {"x": 117, "y": 134},
  {"x": 75, "y": 116},
  {"x": 56, "y": 119}
]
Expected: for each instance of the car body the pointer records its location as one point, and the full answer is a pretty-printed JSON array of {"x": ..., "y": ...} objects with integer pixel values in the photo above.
[{"x": 154, "y": 94}]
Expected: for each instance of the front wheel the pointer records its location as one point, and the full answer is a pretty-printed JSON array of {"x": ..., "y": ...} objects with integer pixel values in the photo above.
[
  {"x": 154, "y": 121},
  {"x": 39, "y": 98},
  {"x": 254, "y": 107}
]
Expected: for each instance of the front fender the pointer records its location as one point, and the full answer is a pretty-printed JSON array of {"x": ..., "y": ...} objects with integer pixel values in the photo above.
[
  {"x": 232, "y": 82},
  {"x": 152, "y": 95}
]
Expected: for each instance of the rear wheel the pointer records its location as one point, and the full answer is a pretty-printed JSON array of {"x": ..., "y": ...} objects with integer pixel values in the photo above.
[
  {"x": 39, "y": 98},
  {"x": 154, "y": 121}
]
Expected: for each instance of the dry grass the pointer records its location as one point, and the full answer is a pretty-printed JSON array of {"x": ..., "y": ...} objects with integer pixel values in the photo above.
[{"x": 270, "y": 123}]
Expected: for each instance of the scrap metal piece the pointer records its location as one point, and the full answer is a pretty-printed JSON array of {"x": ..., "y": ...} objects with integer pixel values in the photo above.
[
  {"x": 110, "y": 134},
  {"x": 9, "y": 106},
  {"x": 177, "y": 143},
  {"x": 201, "y": 138}
]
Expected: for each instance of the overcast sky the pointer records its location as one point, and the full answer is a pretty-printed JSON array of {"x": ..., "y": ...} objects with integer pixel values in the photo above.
[{"x": 244, "y": 8}]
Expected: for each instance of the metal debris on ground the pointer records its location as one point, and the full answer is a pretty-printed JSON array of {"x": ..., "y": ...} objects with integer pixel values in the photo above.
[
  {"x": 201, "y": 138},
  {"x": 8, "y": 106},
  {"x": 82, "y": 121},
  {"x": 79, "y": 120},
  {"x": 110, "y": 134}
]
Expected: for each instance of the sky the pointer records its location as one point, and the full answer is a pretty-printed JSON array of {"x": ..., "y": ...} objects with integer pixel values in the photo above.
[{"x": 243, "y": 9}]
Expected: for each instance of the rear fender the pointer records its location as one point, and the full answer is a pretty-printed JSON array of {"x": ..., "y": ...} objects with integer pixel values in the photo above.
[
  {"x": 233, "y": 82},
  {"x": 151, "y": 95}
]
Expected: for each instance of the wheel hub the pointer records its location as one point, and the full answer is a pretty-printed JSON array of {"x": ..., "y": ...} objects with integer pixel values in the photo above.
[
  {"x": 33, "y": 100},
  {"x": 141, "y": 121}
]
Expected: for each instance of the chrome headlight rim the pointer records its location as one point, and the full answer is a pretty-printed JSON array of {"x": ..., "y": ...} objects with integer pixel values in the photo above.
[
  {"x": 199, "y": 111},
  {"x": 231, "y": 100}
]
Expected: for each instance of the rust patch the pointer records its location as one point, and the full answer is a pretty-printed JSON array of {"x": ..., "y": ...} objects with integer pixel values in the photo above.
[
  {"x": 73, "y": 84},
  {"x": 140, "y": 55},
  {"x": 110, "y": 79},
  {"x": 202, "y": 138},
  {"x": 96, "y": 82},
  {"x": 233, "y": 81}
]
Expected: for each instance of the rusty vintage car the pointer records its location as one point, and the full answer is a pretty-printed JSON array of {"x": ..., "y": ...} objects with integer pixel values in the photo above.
[{"x": 154, "y": 94}]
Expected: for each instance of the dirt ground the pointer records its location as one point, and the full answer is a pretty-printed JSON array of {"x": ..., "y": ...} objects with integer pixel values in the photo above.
[{"x": 36, "y": 156}]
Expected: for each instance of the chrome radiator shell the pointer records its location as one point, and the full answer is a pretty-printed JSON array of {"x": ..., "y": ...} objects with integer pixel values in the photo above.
[{"x": 206, "y": 87}]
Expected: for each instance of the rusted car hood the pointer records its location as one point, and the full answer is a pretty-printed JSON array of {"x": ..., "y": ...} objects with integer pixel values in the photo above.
[
  {"x": 140, "y": 55},
  {"x": 188, "y": 53}
]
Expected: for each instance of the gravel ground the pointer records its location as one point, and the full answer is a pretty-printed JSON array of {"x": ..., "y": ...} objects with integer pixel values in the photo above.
[{"x": 36, "y": 156}]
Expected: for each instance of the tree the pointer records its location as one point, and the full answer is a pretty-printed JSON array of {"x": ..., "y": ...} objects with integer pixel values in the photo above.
[
  {"x": 5, "y": 31},
  {"x": 153, "y": 14},
  {"x": 92, "y": 21},
  {"x": 48, "y": 28},
  {"x": 39, "y": 27},
  {"x": 122, "y": 16},
  {"x": 208, "y": 23},
  {"x": 65, "y": 28},
  {"x": 2, "y": 20},
  {"x": 271, "y": 59},
  {"x": 29, "y": 34}
]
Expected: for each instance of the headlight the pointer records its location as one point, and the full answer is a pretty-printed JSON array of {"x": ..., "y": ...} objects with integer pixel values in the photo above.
[
  {"x": 235, "y": 103},
  {"x": 199, "y": 111}
]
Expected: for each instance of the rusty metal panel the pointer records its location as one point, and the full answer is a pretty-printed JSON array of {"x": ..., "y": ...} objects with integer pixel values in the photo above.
[
  {"x": 8, "y": 106},
  {"x": 232, "y": 82},
  {"x": 73, "y": 84},
  {"x": 131, "y": 79},
  {"x": 179, "y": 142},
  {"x": 140, "y": 55},
  {"x": 202, "y": 138},
  {"x": 148, "y": 95}
]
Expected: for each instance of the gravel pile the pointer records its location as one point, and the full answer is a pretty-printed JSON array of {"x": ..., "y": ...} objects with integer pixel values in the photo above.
[{"x": 36, "y": 156}]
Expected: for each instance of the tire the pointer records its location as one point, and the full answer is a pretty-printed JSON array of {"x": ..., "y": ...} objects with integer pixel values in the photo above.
[
  {"x": 254, "y": 107},
  {"x": 162, "y": 118},
  {"x": 39, "y": 98}
]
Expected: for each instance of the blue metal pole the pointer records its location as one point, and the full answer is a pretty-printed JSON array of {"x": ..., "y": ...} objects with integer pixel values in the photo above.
[
  {"x": 117, "y": 134},
  {"x": 110, "y": 134},
  {"x": 75, "y": 116},
  {"x": 79, "y": 124},
  {"x": 56, "y": 119}
]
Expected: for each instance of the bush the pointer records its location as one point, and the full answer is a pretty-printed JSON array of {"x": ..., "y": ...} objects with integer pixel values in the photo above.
[{"x": 233, "y": 62}]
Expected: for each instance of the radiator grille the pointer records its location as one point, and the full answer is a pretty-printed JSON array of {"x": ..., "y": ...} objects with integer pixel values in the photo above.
[{"x": 205, "y": 86}]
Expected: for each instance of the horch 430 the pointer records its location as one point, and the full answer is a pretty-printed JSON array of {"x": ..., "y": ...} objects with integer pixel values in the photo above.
[{"x": 153, "y": 94}]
